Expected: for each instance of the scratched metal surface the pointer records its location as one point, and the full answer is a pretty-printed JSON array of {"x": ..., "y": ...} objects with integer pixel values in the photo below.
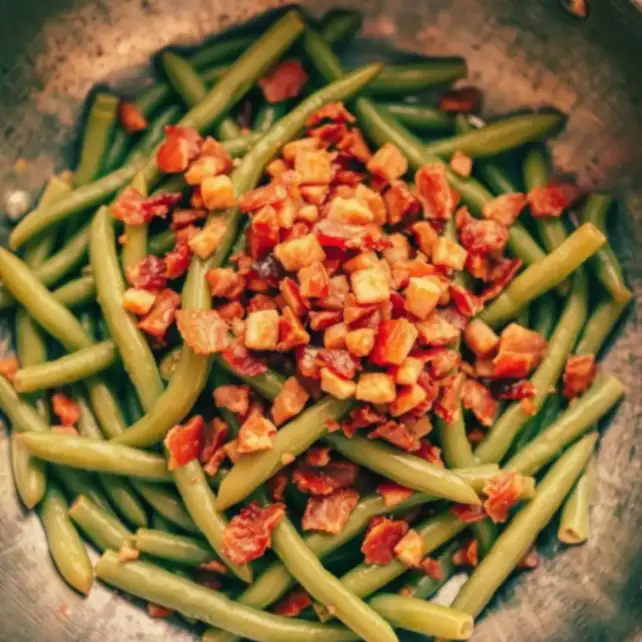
[{"x": 520, "y": 53}]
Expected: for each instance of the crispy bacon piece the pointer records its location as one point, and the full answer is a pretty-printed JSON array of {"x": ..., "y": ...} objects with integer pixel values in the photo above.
[
  {"x": 314, "y": 281},
  {"x": 293, "y": 603},
  {"x": 340, "y": 362},
  {"x": 353, "y": 143},
  {"x": 462, "y": 100},
  {"x": 318, "y": 456},
  {"x": 235, "y": 398},
  {"x": 376, "y": 387},
  {"x": 225, "y": 283},
  {"x": 410, "y": 549},
  {"x": 330, "y": 513},
  {"x": 394, "y": 494},
  {"x": 409, "y": 398},
  {"x": 291, "y": 332},
  {"x": 400, "y": 202},
  {"x": 398, "y": 435},
  {"x": 203, "y": 330},
  {"x": 131, "y": 118},
  {"x": 285, "y": 80},
  {"x": 8, "y": 367},
  {"x": 484, "y": 237},
  {"x": 289, "y": 402},
  {"x": 514, "y": 391},
  {"x": 430, "y": 453},
  {"x": 436, "y": 331},
  {"x": 299, "y": 252},
  {"x": 388, "y": 163},
  {"x": 337, "y": 386},
  {"x": 271, "y": 194},
  {"x": 242, "y": 362},
  {"x": 478, "y": 398},
  {"x": 256, "y": 433},
  {"x": 177, "y": 260},
  {"x": 277, "y": 484},
  {"x": 579, "y": 372},
  {"x": 467, "y": 303},
  {"x": 181, "y": 146},
  {"x": 503, "y": 491},
  {"x": 500, "y": 276},
  {"x": 480, "y": 338},
  {"x": 381, "y": 538},
  {"x": 162, "y": 314},
  {"x": 158, "y": 612},
  {"x": 434, "y": 192},
  {"x": 553, "y": 199},
  {"x": 213, "y": 454},
  {"x": 137, "y": 301},
  {"x": 395, "y": 340},
  {"x": 324, "y": 480},
  {"x": 248, "y": 534},
  {"x": 441, "y": 361},
  {"x": 185, "y": 442},
  {"x": 361, "y": 417},
  {"x": 467, "y": 513},
  {"x": 520, "y": 351},
  {"x": 467, "y": 555},
  {"x": 66, "y": 409},
  {"x": 432, "y": 568},
  {"x": 209, "y": 238},
  {"x": 422, "y": 295},
  {"x": 461, "y": 164},
  {"x": 505, "y": 209},
  {"x": 447, "y": 406},
  {"x": 335, "y": 112},
  {"x": 217, "y": 192},
  {"x": 147, "y": 274},
  {"x": 262, "y": 330},
  {"x": 133, "y": 208}
]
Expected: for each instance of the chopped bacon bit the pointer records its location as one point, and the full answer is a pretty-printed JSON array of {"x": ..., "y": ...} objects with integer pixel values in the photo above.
[
  {"x": 299, "y": 252},
  {"x": 207, "y": 167},
  {"x": 291, "y": 332},
  {"x": 505, "y": 208},
  {"x": 447, "y": 406},
  {"x": 552, "y": 200},
  {"x": 185, "y": 442},
  {"x": 467, "y": 303},
  {"x": 579, "y": 372},
  {"x": 430, "y": 453},
  {"x": 317, "y": 456},
  {"x": 501, "y": 275},
  {"x": 235, "y": 398},
  {"x": 225, "y": 282},
  {"x": 530, "y": 560},
  {"x": 360, "y": 342},
  {"x": 147, "y": 274},
  {"x": 262, "y": 330},
  {"x": 362, "y": 417},
  {"x": 181, "y": 146},
  {"x": 448, "y": 254},
  {"x": 376, "y": 387},
  {"x": 277, "y": 484},
  {"x": 514, "y": 391},
  {"x": 177, "y": 260},
  {"x": 242, "y": 362},
  {"x": 380, "y": 540},
  {"x": 400, "y": 202},
  {"x": 388, "y": 163},
  {"x": 467, "y": 555},
  {"x": 313, "y": 167},
  {"x": 293, "y": 297},
  {"x": 209, "y": 238},
  {"x": 349, "y": 211},
  {"x": 335, "y": 336},
  {"x": 8, "y": 367},
  {"x": 434, "y": 192},
  {"x": 248, "y": 534},
  {"x": 432, "y": 568},
  {"x": 436, "y": 330},
  {"x": 314, "y": 281},
  {"x": 395, "y": 340},
  {"x": 213, "y": 453},
  {"x": 410, "y": 549},
  {"x": 426, "y": 236},
  {"x": 462, "y": 100},
  {"x": 520, "y": 351},
  {"x": 256, "y": 433},
  {"x": 461, "y": 164},
  {"x": 337, "y": 386},
  {"x": 323, "y": 480},
  {"x": 203, "y": 330},
  {"x": 231, "y": 311},
  {"x": 289, "y": 402},
  {"x": 263, "y": 233},
  {"x": 330, "y": 513},
  {"x": 66, "y": 409},
  {"x": 285, "y": 80},
  {"x": 394, "y": 494},
  {"x": 480, "y": 338},
  {"x": 422, "y": 295},
  {"x": 293, "y": 604},
  {"x": 131, "y": 118},
  {"x": 354, "y": 144},
  {"x": 408, "y": 398},
  {"x": 370, "y": 286},
  {"x": 503, "y": 491},
  {"x": 467, "y": 513},
  {"x": 478, "y": 398},
  {"x": 218, "y": 193},
  {"x": 158, "y": 612},
  {"x": 138, "y": 301},
  {"x": 398, "y": 435},
  {"x": 271, "y": 194},
  {"x": 335, "y": 112},
  {"x": 338, "y": 361},
  {"x": 441, "y": 361},
  {"x": 484, "y": 237}
]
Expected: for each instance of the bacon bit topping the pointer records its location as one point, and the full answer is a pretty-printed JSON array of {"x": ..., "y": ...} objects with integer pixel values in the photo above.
[
  {"x": 432, "y": 568},
  {"x": 131, "y": 118},
  {"x": 177, "y": 260},
  {"x": 158, "y": 612},
  {"x": 388, "y": 163},
  {"x": 162, "y": 314},
  {"x": 203, "y": 330},
  {"x": 462, "y": 100},
  {"x": 330, "y": 513},
  {"x": 313, "y": 167},
  {"x": 504, "y": 209},
  {"x": 467, "y": 303},
  {"x": 354, "y": 144},
  {"x": 209, "y": 238},
  {"x": 376, "y": 387},
  {"x": 468, "y": 514},
  {"x": 448, "y": 254},
  {"x": 242, "y": 362},
  {"x": 514, "y": 391},
  {"x": 395, "y": 340},
  {"x": 317, "y": 456},
  {"x": 218, "y": 193},
  {"x": 398, "y": 435},
  {"x": 181, "y": 146},
  {"x": 66, "y": 409},
  {"x": 430, "y": 453},
  {"x": 213, "y": 453},
  {"x": 293, "y": 604},
  {"x": 478, "y": 398},
  {"x": 324, "y": 480},
  {"x": 381, "y": 538},
  {"x": 262, "y": 330},
  {"x": 436, "y": 330},
  {"x": 362, "y": 417},
  {"x": 501, "y": 275},
  {"x": 256, "y": 433},
  {"x": 8, "y": 367},
  {"x": 225, "y": 283},
  {"x": 408, "y": 398},
  {"x": 291, "y": 332},
  {"x": 520, "y": 351},
  {"x": 434, "y": 192},
  {"x": 335, "y": 112},
  {"x": 480, "y": 338},
  {"x": 461, "y": 164},
  {"x": 447, "y": 406},
  {"x": 484, "y": 237},
  {"x": 138, "y": 301},
  {"x": 289, "y": 402},
  {"x": 277, "y": 484},
  {"x": 314, "y": 281},
  {"x": 394, "y": 494},
  {"x": 235, "y": 398},
  {"x": 135, "y": 209},
  {"x": 293, "y": 297},
  {"x": 467, "y": 555},
  {"x": 552, "y": 200},
  {"x": 422, "y": 295},
  {"x": 185, "y": 442},
  {"x": 503, "y": 491},
  {"x": 410, "y": 549},
  {"x": 299, "y": 252},
  {"x": 579, "y": 372},
  {"x": 285, "y": 80},
  {"x": 147, "y": 274},
  {"x": 248, "y": 534},
  {"x": 400, "y": 202}
]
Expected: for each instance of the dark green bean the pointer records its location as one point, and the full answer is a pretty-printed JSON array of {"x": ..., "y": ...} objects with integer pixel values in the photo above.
[
  {"x": 545, "y": 316},
  {"x": 104, "y": 530},
  {"x": 187, "y": 551},
  {"x": 268, "y": 384},
  {"x": 220, "y": 51},
  {"x": 541, "y": 420},
  {"x": 166, "y": 502},
  {"x": 599, "y": 325},
  {"x": 398, "y": 81},
  {"x": 339, "y": 25},
  {"x": 419, "y": 118}
]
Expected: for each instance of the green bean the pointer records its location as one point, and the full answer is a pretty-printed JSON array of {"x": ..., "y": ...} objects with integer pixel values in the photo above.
[
  {"x": 180, "y": 549},
  {"x": 404, "y": 469},
  {"x": 400, "y": 80},
  {"x": 101, "y": 119},
  {"x": 306, "y": 568},
  {"x": 218, "y": 51},
  {"x": 154, "y": 133},
  {"x": 191, "y": 372},
  {"x": 104, "y": 530},
  {"x": 382, "y": 129},
  {"x": 74, "y": 293},
  {"x": 67, "y": 369},
  {"x": 29, "y": 475},
  {"x": 339, "y": 25},
  {"x": 541, "y": 277},
  {"x": 79, "y": 482},
  {"x": 96, "y": 455},
  {"x": 578, "y": 418},
  {"x": 268, "y": 384},
  {"x": 169, "y": 362},
  {"x": 162, "y": 242},
  {"x": 156, "y": 585},
  {"x": 422, "y": 617},
  {"x": 545, "y": 316},
  {"x": 604, "y": 263},
  {"x": 499, "y": 438},
  {"x": 134, "y": 350},
  {"x": 290, "y": 441},
  {"x": 421, "y": 585},
  {"x": 419, "y": 118},
  {"x": 159, "y": 523},
  {"x": 105, "y": 407},
  {"x": 574, "y": 523},
  {"x": 498, "y": 137},
  {"x": 541, "y": 420},
  {"x": 166, "y": 502},
  {"x": 599, "y": 325},
  {"x": 268, "y": 115},
  {"x": 66, "y": 547},
  {"x": 200, "y": 502},
  {"x": 515, "y": 541}
]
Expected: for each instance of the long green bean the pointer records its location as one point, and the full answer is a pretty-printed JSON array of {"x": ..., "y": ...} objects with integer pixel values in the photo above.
[
  {"x": 219, "y": 51},
  {"x": 104, "y": 530},
  {"x": 339, "y": 25},
  {"x": 268, "y": 384},
  {"x": 519, "y": 535},
  {"x": 398, "y": 81},
  {"x": 65, "y": 545},
  {"x": 574, "y": 523},
  {"x": 599, "y": 325},
  {"x": 156, "y": 585},
  {"x": 546, "y": 416},
  {"x": 179, "y": 549},
  {"x": 419, "y": 118},
  {"x": 166, "y": 502}
]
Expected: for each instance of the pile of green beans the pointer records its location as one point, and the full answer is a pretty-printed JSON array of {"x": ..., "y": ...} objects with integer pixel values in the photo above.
[{"x": 111, "y": 479}]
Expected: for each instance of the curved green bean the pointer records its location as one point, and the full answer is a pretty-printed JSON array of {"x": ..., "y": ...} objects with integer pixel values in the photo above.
[
  {"x": 339, "y": 25},
  {"x": 79, "y": 482},
  {"x": 499, "y": 438},
  {"x": 166, "y": 502},
  {"x": 179, "y": 549},
  {"x": 574, "y": 526},
  {"x": 545, "y": 316},
  {"x": 599, "y": 325},
  {"x": 546, "y": 416},
  {"x": 544, "y": 275},
  {"x": 422, "y": 617},
  {"x": 268, "y": 384},
  {"x": 96, "y": 455},
  {"x": 105, "y": 407},
  {"x": 220, "y": 51},
  {"x": 577, "y": 419},
  {"x": 65, "y": 545},
  {"x": 407, "y": 470},
  {"x": 104, "y": 530},
  {"x": 515, "y": 541},
  {"x": 269, "y": 115},
  {"x": 604, "y": 263},
  {"x": 29, "y": 474},
  {"x": 400, "y": 80},
  {"x": 156, "y": 585},
  {"x": 419, "y": 118}
]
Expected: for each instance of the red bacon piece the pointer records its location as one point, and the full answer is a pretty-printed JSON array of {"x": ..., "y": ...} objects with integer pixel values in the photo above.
[
  {"x": 503, "y": 491},
  {"x": 361, "y": 417},
  {"x": 147, "y": 274},
  {"x": 293, "y": 604},
  {"x": 579, "y": 372},
  {"x": 553, "y": 199},
  {"x": 66, "y": 409},
  {"x": 330, "y": 513},
  {"x": 242, "y": 362},
  {"x": 500, "y": 275},
  {"x": 394, "y": 494},
  {"x": 212, "y": 454},
  {"x": 380, "y": 540},
  {"x": 285, "y": 80},
  {"x": 397, "y": 434},
  {"x": 185, "y": 442},
  {"x": 203, "y": 330},
  {"x": 434, "y": 191},
  {"x": 467, "y": 513},
  {"x": 467, "y": 303},
  {"x": 478, "y": 398},
  {"x": 467, "y": 555},
  {"x": 335, "y": 112},
  {"x": 180, "y": 147},
  {"x": 505, "y": 209},
  {"x": 131, "y": 118},
  {"x": 326, "y": 479},
  {"x": 514, "y": 391},
  {"x": 162, "y": 314},
  {"x": 484, "y": 237},
  {"x": 135, "y": 209}
]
